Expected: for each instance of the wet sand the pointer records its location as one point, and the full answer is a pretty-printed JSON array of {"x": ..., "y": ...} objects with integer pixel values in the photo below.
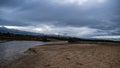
[{"x": 72, "y": 55}]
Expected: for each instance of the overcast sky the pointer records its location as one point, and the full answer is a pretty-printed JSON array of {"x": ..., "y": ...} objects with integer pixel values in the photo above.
[{"x": 80, "y": 18}]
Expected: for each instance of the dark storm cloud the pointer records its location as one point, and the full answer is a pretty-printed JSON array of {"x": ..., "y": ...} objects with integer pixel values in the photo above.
[
  {"x": 5, "y": 22},
  {"x": 36, "y": 12},
  {"x": 41, "y": 10},
  {"x": 11, "y": 3}
]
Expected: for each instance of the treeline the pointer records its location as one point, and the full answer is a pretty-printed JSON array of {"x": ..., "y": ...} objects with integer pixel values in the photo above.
[
  {"x": 75, "y": 39},
  {"x": 10, "y": 36}
]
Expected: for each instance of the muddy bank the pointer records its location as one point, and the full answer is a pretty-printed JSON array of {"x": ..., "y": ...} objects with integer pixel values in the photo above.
[{"x": 70, "y": 56}]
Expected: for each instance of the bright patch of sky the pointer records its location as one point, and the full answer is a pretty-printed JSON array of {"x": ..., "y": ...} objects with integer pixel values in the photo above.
[
  {"x": 79, "y": 2},
  {"x": 103, "y": 37}
]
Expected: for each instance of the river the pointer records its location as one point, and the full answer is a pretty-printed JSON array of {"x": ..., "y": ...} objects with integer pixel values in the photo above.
[{"x": 13, "y": 49}]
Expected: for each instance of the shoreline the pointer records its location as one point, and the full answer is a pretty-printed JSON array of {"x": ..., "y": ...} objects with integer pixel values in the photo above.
[
  {"x": 14, "y": 52},
  {"x": 72, "y": 55}
]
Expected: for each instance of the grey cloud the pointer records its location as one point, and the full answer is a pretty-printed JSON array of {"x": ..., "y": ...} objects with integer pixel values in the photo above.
[
  {"x": 36, "y": 12},
  {"x": 11, "y": 3},
  {"x": 6, "y": 22}
]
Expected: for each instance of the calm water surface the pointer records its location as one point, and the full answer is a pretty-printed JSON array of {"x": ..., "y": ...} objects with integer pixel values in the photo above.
[{"x": 13, "y": 49}]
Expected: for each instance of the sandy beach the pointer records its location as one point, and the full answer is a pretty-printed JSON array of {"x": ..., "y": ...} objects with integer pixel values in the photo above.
[{"x": 70, "y": 55}]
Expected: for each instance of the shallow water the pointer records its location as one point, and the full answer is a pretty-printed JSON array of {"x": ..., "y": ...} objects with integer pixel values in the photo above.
[{"x": 13, "y": 49}]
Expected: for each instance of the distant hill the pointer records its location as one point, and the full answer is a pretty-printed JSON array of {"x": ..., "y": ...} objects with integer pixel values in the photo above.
[{"x": 14, "y": 31}]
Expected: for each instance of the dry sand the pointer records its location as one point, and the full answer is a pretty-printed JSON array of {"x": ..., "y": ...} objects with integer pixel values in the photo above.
[{"x": 70, "y": 56}]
